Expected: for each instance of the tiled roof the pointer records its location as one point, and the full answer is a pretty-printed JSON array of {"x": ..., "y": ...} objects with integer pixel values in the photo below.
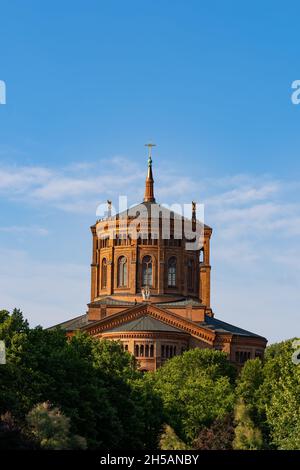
[
  {"x": 220, "y": 326},
  {"x": 148, "y": 323},
  {"x": 72, "y": 324}
]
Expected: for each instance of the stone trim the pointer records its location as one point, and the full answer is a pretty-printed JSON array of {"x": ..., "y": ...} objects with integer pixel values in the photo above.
[{"x": 162, "y": 315}]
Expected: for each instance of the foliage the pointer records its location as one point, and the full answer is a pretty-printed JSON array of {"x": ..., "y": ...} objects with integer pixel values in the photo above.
[
  {"x": 282, "y": 386},
  {"x": 12, "y": 436},
  {"x": 271, "y": 392},
  {"x": 249, "y": 388},
  {"x": 96, "y": 392},
  {"x": 93, "y": 382},
  {"x": 170, "y": 441},
  {"x": 247, "y": 436},
  {"x": 195, "y": 388},
  {"x": 51, "y": 428},
  {"x": 218, "y": 436}
]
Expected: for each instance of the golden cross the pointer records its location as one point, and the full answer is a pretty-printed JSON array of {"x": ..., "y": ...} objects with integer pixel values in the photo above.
[{"x": 150, "y": 151}]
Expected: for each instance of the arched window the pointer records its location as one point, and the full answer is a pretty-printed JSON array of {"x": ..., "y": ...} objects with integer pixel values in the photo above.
[
  {"x": 147, "y": 271},
  {"x": 190, "y": 275},
  {"x": 142, "y": 350},
  {"x": 151, "y": 350},
  {"x": 147, "y": 350},
  {"x": 136, "y": 350},
  {"x": 172, "y": 272},
  {"x": 122, "y": 271},
  {"x": 104, "y": 274}
]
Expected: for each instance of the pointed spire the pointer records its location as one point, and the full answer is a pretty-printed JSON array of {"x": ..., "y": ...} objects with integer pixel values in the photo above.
[{"x": 149, "y": 187}]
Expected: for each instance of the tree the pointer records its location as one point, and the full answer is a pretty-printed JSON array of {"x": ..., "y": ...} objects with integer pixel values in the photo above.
[
  {"x": 250, "y": 385},
  {"x": 12, "y": 436},
  {"x": 93, "y": 382},
  {"x": 247, "y": 436},
  {"x": 51, "y": 428},
  {"x": 218, "y": 436},
  {"x": 195, "y": 388},
  {"x": 282, "y": 388},
  {"x": 271, "y": 392},
  {"x": 170, "y": 441}
]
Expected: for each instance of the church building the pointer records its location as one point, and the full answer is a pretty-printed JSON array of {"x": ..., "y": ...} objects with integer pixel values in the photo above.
[{"x": 150, "y": 286}]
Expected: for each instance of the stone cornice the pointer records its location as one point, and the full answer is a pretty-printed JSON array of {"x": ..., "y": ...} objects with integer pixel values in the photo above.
[
  {"x": 223, "y": 338},
  {"x": 151, "y": 335},
  {"x": 259, "y": 341}
]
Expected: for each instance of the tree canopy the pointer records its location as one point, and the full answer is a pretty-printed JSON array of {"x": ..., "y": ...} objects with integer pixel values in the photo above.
[{"x": 82, "y": 392}]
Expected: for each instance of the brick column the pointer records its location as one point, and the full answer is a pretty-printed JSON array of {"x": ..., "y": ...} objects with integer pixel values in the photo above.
[
  {"x": 160, "y": 267},
  {"x": 133, "y": 270}
]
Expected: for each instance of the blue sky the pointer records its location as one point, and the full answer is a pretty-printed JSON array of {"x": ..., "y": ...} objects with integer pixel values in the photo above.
[{"x": 88, "y": 83}]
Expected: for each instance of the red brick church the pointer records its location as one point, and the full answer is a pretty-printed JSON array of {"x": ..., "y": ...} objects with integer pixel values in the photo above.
[{"x": 150, "y": 287}]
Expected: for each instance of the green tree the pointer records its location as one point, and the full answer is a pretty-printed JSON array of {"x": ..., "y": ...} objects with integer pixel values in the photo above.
[
  {"x": 170, "y": 441},
  {"x": 282, "y": 388},
  {"x": 195, "y": 388},
  {"x": 93, "y": 382},
  {"x": 271, "y": 392},
  {"x": 51, "y": 428},
  {"x": 247, "y": 436},
  {"x": 250, "y": 388}
]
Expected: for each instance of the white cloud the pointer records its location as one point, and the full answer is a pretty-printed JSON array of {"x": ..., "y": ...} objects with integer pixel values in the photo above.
[{"x": 21, "y": 179}]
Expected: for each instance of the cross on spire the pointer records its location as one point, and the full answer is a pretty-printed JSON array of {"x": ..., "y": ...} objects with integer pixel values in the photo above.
[{"x": 150, "y": 145}]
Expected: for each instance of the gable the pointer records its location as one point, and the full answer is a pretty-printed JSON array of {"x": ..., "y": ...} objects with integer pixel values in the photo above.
[
  {"x": 119, "y": 320},
  {"x": 146, "y": 323}
]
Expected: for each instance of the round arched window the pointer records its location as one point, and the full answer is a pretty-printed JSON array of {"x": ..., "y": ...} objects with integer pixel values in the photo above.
[
  {"x": 172, "y": 272},
  {"x": 147, "y": 271},
  {"x": 104, "y": 274},
  {"x": 122, "y": 271}
]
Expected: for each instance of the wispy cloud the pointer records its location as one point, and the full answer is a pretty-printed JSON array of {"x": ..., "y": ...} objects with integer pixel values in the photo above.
[
  {"x": 19, "y": 229},
  {"x": 19, "y": 180},
  {"x": 71, "y": 188},
  {"x": 47, "y": 292}
]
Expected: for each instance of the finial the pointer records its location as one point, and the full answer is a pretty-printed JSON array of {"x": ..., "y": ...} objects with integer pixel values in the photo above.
[{"x": 109, "y": 203}]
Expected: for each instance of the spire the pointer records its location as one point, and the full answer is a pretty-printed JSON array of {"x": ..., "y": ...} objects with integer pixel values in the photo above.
[{"x": 149, "y": 187}]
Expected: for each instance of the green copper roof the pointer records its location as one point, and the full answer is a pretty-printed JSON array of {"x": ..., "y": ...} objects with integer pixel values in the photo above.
[{"x": 146, "y": 323}]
